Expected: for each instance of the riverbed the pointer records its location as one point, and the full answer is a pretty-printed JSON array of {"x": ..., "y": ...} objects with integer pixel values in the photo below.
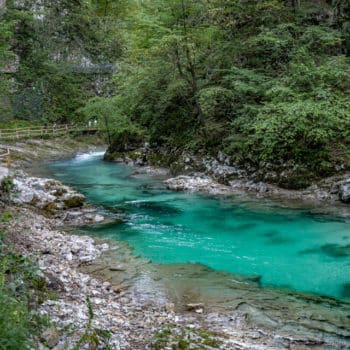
[
  {"x": 240, "y": 265},
  {"x": 295, "y": 248}
]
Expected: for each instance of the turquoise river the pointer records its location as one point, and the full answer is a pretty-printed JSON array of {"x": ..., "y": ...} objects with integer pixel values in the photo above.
[{"x": 294, "y": 247}]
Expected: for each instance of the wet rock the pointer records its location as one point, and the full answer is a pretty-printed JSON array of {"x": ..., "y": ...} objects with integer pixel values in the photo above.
[
  {"x": 117, "y": 268},
  {"x": 51, "y": 337},
  {"x": 220, "y": 170},
  {"x": 98, "y": 218},
  {"x": 194, "y": 306}
]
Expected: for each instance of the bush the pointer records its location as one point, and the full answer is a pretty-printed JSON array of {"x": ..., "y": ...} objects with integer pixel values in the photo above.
[
  {"x": 15, "y": 327},
  {"x": 305, "y": 131},
  {"x": 21, "y": 285},
  {"x": 6, "y": 187}
]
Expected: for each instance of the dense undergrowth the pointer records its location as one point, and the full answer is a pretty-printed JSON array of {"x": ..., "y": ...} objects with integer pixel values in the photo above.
[{"x": 22, "y": 289}]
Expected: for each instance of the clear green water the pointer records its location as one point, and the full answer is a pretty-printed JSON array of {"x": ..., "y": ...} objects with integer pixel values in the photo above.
[{"x": 287, "y": 247}]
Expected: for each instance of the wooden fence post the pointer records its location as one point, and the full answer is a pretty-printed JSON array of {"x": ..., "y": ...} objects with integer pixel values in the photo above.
[{"x": 8, "y": 159}]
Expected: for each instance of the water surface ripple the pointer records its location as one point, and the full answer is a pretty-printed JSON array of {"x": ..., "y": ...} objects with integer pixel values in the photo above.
[{"x": 287, "y": 247}]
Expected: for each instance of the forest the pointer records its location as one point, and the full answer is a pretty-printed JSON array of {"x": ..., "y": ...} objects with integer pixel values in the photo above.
[
  {"x": 221, "y": 220},
  {"x": 266, "y": 82}
]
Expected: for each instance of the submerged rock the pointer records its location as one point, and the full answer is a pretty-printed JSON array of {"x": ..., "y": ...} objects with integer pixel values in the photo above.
[
  {"x": 346, "y": 290},
  {"x": 335, "y": 250},
  {"x": 195, "y": 307},
  {"x": 73, "y": 200}
]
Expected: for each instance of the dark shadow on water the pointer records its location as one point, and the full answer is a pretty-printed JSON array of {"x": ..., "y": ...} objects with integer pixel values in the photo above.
[
  {"x": 156, "y": 208},
  {"x": 279, "y": 240},
  {"x": 244, "y": 227},
  {"x": 332, "y": 250},
  {"x": 272, "y": 233},
  {"x": 345, "y": 293}
]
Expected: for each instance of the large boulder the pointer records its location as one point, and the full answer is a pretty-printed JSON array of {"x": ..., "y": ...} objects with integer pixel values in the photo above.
[
  {"x": 196, "y": 183},
  {"x": 344, "y": 191},
  {"x": 46, "y": 194}
]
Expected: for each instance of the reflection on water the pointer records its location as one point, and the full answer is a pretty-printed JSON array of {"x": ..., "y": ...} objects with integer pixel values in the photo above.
[{"x": 292, "y": 247}]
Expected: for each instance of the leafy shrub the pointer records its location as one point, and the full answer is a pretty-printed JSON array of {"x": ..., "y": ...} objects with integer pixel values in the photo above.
[
  {"x": 322, "y": 40},
  {"x": 302, "y": 130},
  {"x": 6, "y": 187},
  {"x": 20, "y": 286},
  {"x": 272, "y": 47},
  {"x": 216, "y": 102}
]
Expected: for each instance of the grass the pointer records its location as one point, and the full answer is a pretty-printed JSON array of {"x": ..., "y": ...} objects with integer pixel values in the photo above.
[
  {"x": 185, "y": 339},
  {"x": 22, "y": 289}
]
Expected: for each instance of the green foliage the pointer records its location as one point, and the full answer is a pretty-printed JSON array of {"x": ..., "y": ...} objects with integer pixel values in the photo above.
[
  {"x": 6, "y": 60},
  {"x": 269, "y": 49},
  {"x": 265, "y": 80},
  {"x": 7, "y": 184},
  {"x": 262, "y": 80},
  {"x": 322, "y": 40},
  {"x": 16, "y": 123},
  {"x": 20, "y": 284},
  {"x": 304, "y": 131},
  {"x": 6, "y": 187},
  {"x": 116, "y": 126},
  {"x": 53, "y": 44},
  {"x": 216, "y": 102}
]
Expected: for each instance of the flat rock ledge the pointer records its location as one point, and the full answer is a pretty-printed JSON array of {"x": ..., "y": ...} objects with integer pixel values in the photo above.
[{"x": 337, "y": 191}]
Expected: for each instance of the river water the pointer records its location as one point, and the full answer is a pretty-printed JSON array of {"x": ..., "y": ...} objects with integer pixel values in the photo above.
[{"x": 291, "y": 247}]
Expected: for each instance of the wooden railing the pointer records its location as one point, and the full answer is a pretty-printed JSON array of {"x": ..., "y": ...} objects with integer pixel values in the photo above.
[{"x": 45, "y": 131}]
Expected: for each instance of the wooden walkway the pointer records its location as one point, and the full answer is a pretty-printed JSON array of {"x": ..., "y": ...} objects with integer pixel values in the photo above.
[{"x": 43, "y": 132}]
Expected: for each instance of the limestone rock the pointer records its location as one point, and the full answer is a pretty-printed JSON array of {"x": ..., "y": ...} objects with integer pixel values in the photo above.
[
  {"x": 98, "y": 218},
  {"x": 73, "y": 200},
  {"x": 196, "y": 183},
  {"x": 344, "y": 191}
]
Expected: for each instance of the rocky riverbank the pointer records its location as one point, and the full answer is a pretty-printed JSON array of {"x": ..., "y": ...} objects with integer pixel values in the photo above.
[
  {"x": 107, "y": 315},
  {"x": 104, "y": 296},
  {"x": 26, "y": 153},
  {"x": 219, "y": 175},
  {"x": 90, "y": 301}
]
